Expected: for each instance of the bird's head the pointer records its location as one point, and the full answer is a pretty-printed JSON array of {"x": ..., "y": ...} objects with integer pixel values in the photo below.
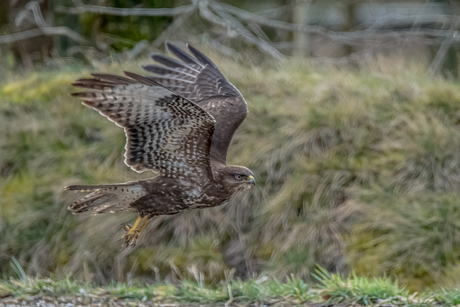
[{"x": 238, "y": 178}]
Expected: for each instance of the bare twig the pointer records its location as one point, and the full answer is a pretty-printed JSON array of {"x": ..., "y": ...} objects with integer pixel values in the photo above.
[
  {"x": 85, "y": 8},
  {"x": 176, "y": 24},
  {"x": 441, "y": 54},
  {"x": 234, "y": 20},
  {"x": 228, "y": 20},
  {"x": 247, "y": 16},
  {"x": 282, "y": 25},
  {"x": 222, "y": 48},
  {"x": 43, "y": 28},
  {"x": 259, "y": 32},
  {"x": 409, "y": 21},
  {"x": 377, "y": 28},
  {"x": 138, "y": 48},
  {"x": 205, "y": 39},
  {"x": 388, "y": 21},
  {"x": 234, "y": 26},
  {"x": 276, "y": 12},
  {"x": 88, "y": 52},
  {"x": 11, "y": 38},
  {"x": 47, "y": 29}
]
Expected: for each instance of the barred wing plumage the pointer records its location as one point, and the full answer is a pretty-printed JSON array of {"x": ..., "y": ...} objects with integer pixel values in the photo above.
[
  {"x": 165, "y": 132},
  {"x": 198, "y": 79}
]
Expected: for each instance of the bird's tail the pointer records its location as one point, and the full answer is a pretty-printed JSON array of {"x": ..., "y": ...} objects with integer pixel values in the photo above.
[{"x": 107, "y": 197}]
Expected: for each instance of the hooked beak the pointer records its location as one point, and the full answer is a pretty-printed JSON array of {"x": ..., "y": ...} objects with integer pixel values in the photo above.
[{"x": 252, "y": 180}]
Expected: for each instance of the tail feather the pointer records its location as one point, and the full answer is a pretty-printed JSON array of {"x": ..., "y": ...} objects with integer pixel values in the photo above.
[
  {"x": 87, "y": 188},
  {"x": 86, "y": 202},
  {"x": 106, "y": 198}
]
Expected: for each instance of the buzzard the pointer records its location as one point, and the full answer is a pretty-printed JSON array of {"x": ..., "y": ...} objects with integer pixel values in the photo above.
[{"x": 178, "y": 123}]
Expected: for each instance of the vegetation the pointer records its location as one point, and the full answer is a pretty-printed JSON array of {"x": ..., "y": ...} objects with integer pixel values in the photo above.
[
  {"x": 334, "y": 289},
  {"x": 357, "y": 170}
]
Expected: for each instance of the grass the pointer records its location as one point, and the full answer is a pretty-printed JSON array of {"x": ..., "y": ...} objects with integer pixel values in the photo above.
[
  {"x": 331, "y": 289},
  {"x": 187, "y": 291},
  {"x": 361, "y": 290},
  {"x": 357, "y": 171}
]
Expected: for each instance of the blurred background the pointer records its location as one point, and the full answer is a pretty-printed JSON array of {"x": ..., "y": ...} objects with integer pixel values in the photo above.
[{"x": 353, "y": 135}]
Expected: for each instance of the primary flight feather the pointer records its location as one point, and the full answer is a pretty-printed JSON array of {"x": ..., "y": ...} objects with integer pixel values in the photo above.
[{"x": 178, "y": 123}]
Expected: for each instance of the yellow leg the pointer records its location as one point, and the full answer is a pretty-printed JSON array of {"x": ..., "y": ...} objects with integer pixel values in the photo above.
[
  {"x": 144, "y": 223},
  {"x": 133, "y": 229},
  {"x": 131, "y": 235}
]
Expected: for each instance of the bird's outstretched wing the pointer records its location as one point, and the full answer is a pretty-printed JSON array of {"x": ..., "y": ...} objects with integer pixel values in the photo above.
[
  {"x": 198, "y": 79},
  {"x": 165, "y": 132}
]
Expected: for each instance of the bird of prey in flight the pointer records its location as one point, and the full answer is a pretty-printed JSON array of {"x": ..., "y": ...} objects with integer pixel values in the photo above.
[{"x": 179, "y": 124}]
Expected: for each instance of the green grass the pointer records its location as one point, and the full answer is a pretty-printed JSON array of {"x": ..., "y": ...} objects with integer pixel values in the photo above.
[
  {"x": 329, "y": 288},
  {"x": 357, "y": 171},
  {"x": 249, "y": 291},
  {"x": 332, "y": 289},
  {"x": 357, "y": 289}
]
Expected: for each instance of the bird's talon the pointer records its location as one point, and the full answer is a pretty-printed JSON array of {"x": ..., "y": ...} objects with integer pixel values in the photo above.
[
  {"x": 132, "y": 243},
  {"x": 123, "y": 246},
  {"x": 130, "y": 238},
  {"x": 126, "y": 226},
  {"x": 132, "y": 232}
]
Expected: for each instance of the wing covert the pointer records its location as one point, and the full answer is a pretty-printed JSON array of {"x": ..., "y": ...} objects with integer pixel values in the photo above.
[
  {"x": 197, "y": 78},
  {"x": 165, "y": 132}
]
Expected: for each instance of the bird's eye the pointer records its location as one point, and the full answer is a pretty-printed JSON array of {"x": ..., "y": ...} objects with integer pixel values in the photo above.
[{"x": 238, "y": 177}]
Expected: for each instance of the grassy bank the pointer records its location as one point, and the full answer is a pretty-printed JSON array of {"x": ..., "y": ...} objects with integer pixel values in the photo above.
[
  {"x": 330, "y": 288},
  {"x": 357, "y": 170}
]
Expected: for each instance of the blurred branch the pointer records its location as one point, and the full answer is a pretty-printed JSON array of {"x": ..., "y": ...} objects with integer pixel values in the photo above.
[
  {"x": 282, "y": 25},
  {"x": 247, "y": 16},
  {"x": 222, "y": 48},
  {"x": 240, "y": 23},
  {"x": 226, "y": 20},
  {"x": 380, "y": 27},
  {"x": 213, "y": 44},
  {"x": 388, "y": 21},
  {"x": 301, "y": 39},
  {"x": 276, "y": 12},
  {"x": 11, "y": 38},
  {"x": 137, "y": 49},
  {"x": 43, "y": 27},
  {"x": 259, "y": 32},
  {"x": 86, "y": 8},
  {"x": 47, "y": 29},
  {"x": 176, "y": 24},
  {"x": 442, "y": 52},
  {"x": 410, "y": 21}
]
